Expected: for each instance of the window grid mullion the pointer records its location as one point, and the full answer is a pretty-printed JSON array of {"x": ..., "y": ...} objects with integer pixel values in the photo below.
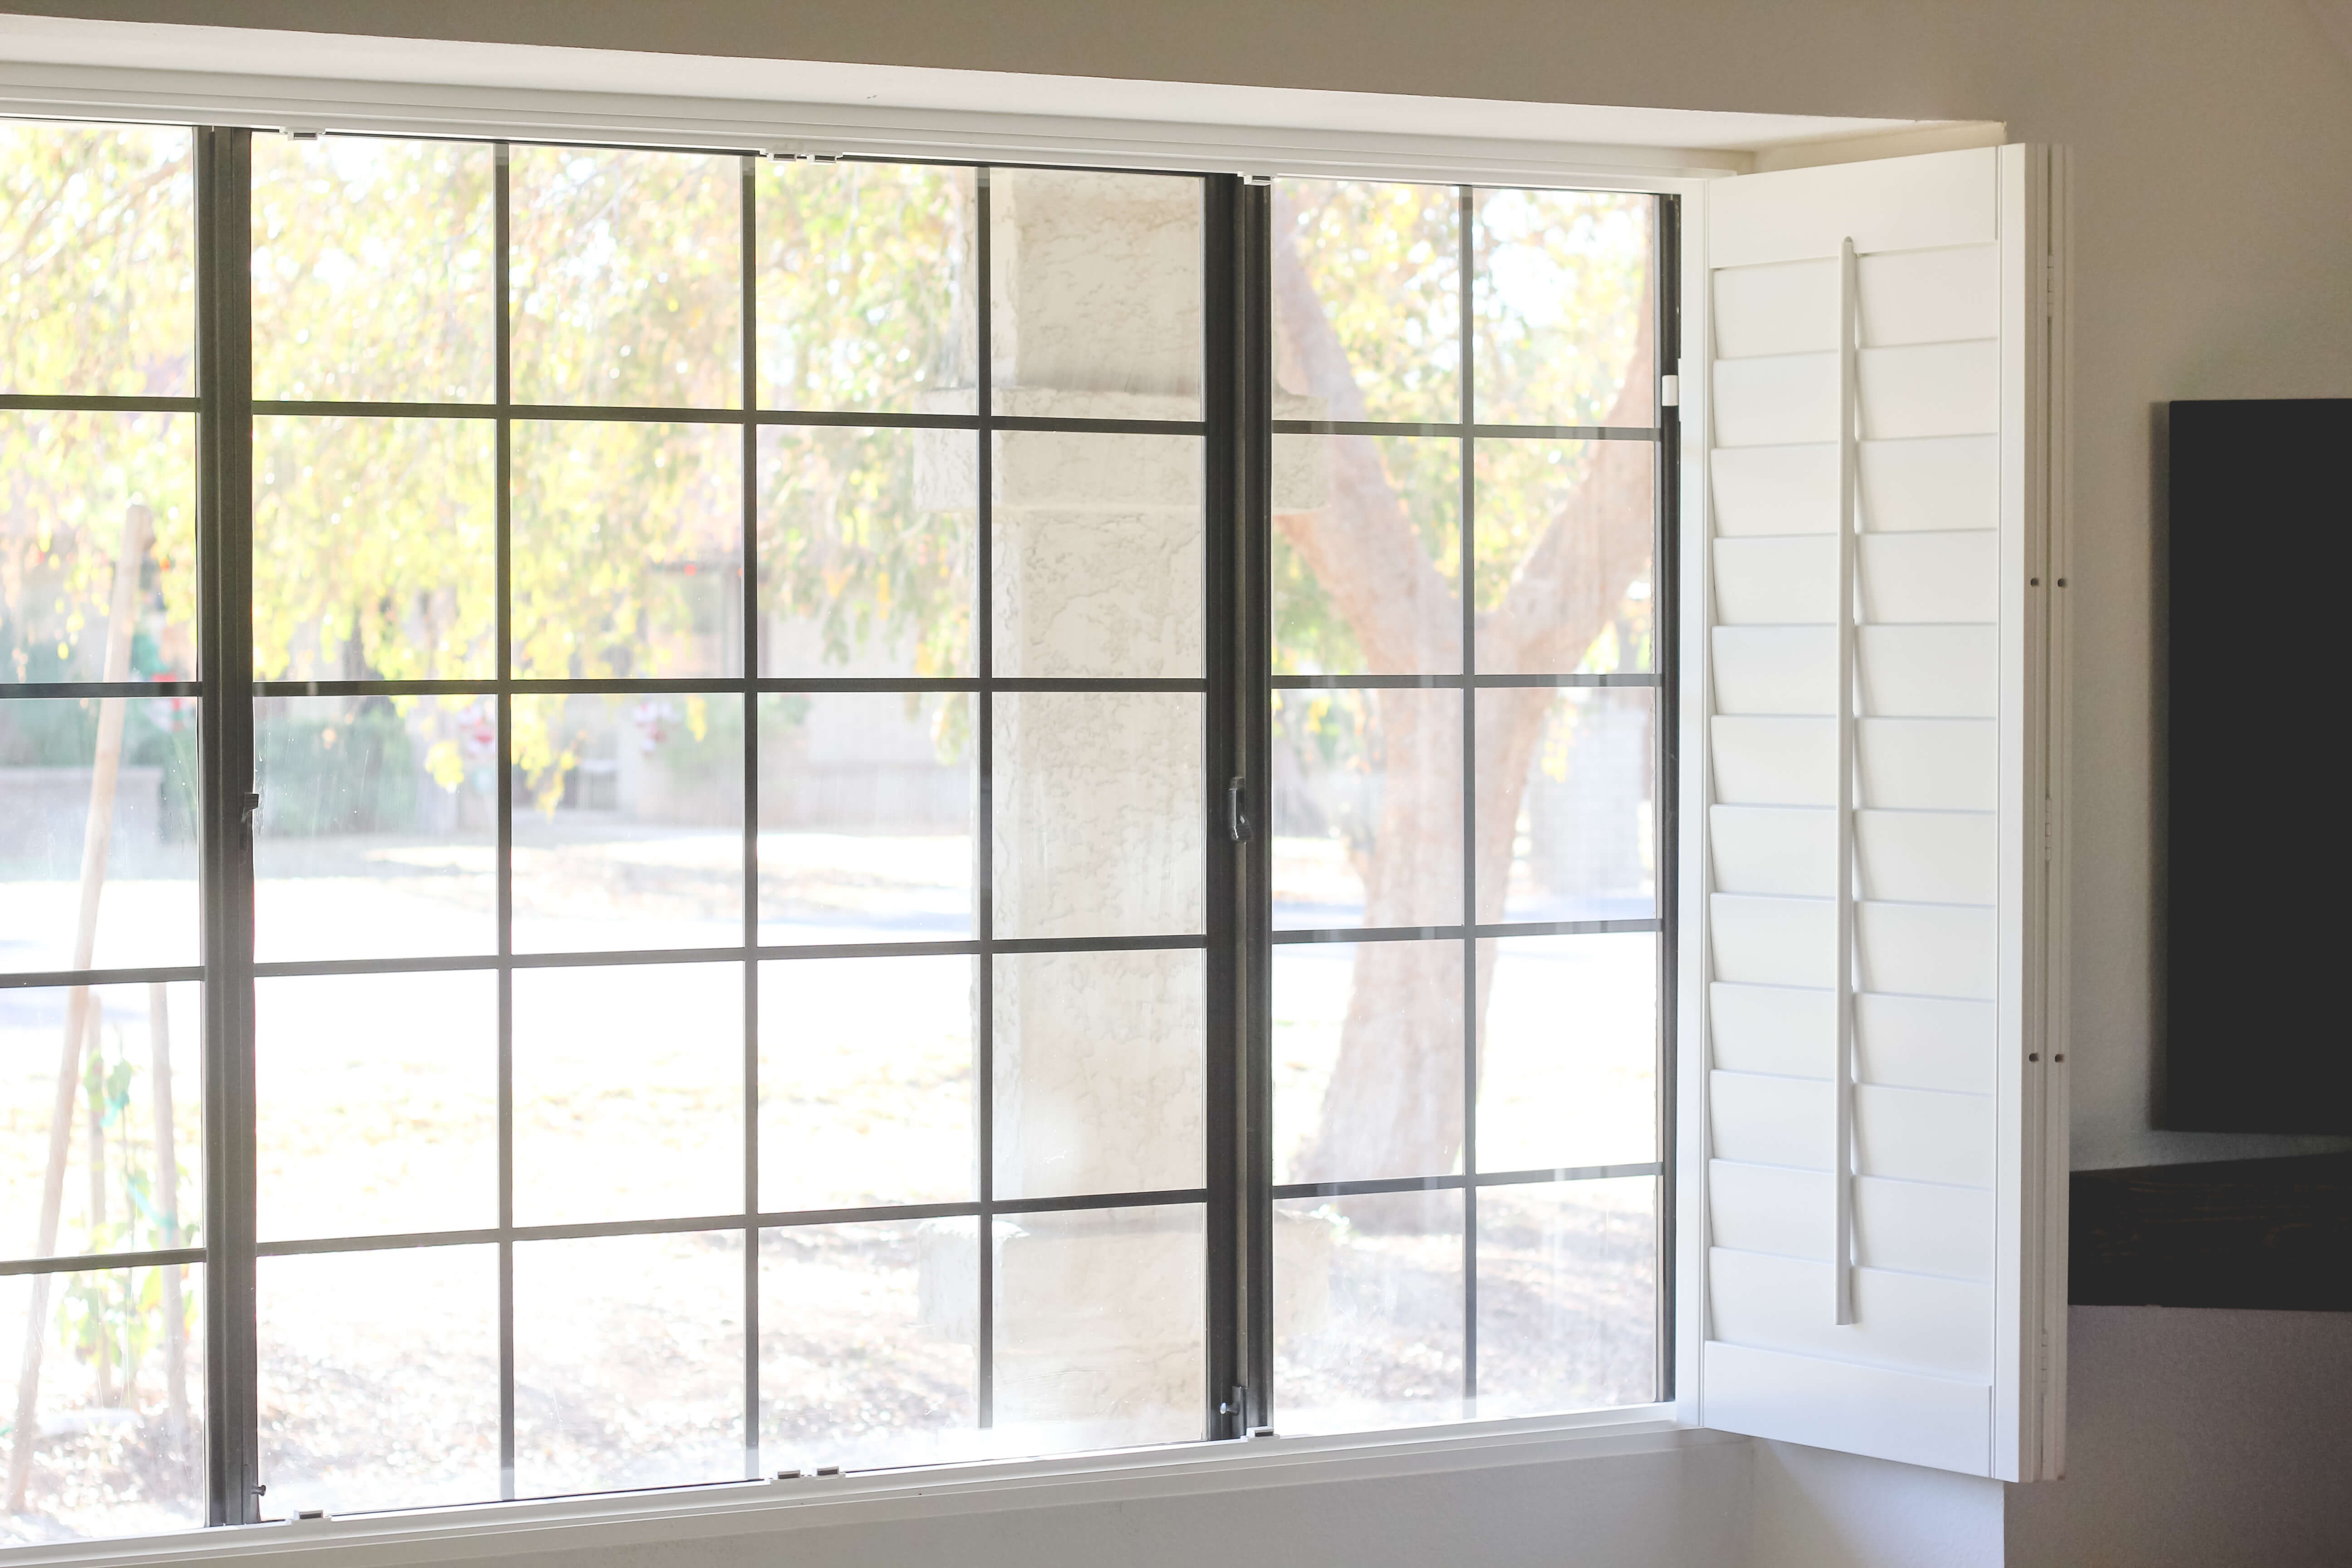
[
  {"x": 749, "y": 598},
  {"x": 1465, "y": 213},
  {"x": 502, "y": 226},
  {"x": 984, "y": 912}
]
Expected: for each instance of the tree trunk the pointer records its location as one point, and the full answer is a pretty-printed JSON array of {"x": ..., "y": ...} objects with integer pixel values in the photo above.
[
  {"x": 1394, "y": 1104},
  {"x": 105, "y": 766}
]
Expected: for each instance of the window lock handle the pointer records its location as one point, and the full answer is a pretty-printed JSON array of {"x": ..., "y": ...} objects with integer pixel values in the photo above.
[{"x": 1237, "y": 822}]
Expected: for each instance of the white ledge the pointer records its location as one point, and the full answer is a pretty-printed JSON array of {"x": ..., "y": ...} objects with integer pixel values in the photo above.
[{"x": 502, "y": 1530}]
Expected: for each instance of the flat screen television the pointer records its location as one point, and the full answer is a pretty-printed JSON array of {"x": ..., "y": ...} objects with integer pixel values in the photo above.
[{"x": 2258, "y": 948}]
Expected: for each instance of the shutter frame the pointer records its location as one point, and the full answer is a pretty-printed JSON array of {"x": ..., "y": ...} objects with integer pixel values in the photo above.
[{"x": 1920, "y": 730}]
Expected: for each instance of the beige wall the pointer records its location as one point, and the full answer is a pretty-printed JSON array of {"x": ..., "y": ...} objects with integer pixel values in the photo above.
[{"x": 2213, "y": 152}]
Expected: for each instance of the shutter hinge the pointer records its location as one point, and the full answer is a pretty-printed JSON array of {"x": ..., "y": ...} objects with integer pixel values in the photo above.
[
  {"x": 2049, "y": 830},
  {"x": 2049, "y": 288},
  {"x": 1670, "y": 392}
]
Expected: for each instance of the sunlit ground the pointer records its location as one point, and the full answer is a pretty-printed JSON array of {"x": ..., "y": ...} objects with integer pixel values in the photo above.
[{"x": 378, "y": 1115}]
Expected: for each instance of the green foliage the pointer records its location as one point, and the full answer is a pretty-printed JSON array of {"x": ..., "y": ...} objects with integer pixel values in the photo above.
[{"x": 356, "y": 774}]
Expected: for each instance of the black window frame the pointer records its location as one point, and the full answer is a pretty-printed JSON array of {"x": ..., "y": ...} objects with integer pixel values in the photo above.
[{"x": 1237, "y": 428}]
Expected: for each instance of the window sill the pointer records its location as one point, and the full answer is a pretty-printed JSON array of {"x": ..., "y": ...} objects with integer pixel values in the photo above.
[{"x": 499, "y": 1530}]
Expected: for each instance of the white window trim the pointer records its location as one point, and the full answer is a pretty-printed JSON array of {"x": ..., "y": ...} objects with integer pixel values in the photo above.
[
  {"x": 108, "y": 92},
  {"x": 762, "y": 1508}
]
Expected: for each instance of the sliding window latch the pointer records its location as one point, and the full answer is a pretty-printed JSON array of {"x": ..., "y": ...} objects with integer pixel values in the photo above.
[
  {"x": 1237, "y": 822},
  {"x": 1233, "y": 1411}
]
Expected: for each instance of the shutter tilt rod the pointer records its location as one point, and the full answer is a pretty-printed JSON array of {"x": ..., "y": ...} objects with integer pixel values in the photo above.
[{"x": 1841, "y": 1077}]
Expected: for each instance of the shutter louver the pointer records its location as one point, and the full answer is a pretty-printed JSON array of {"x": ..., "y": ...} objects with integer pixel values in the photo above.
[{"x": 1878, "y": 1246}]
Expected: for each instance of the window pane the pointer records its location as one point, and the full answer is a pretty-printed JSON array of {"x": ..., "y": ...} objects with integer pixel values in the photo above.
[
  {"x": 1565, "y": 550},
  {"x": 1097, "y": 542},
  {"x": 628, "y": 822},
  {"x": 379, "y": 1379},
  {"x": 1098, "y": 1072},
  {"x": 85, "y": 494},
  {"x": 99, "y": 224},
  {"x": 628, "y": 1362},
  {"x": 374, "y": 549},
  {"x": 1366, "y": 808},
  {"x": 1367, "y": 301},
  {"x": 628, "y": 1092},
  {"x": 1099, "y": 815},
  {"x": 866, "y": 807},
  {"x": 377, "y": 1101},
  {"x": 1568, "y": 1075},
  {"x": 371, "y": 270},
  {"x": 1367, "y": 1312},
  {"x": 1095, "y": 293},
  {"x": 133, "y": 1177},
  {"x": 866, "y": 1092},
  {"x": 1367, "y": 556},
  {"x": 117, "y": 1441},
  {"x": 628, "y": 551},
  {"x": 866, "y": 287},
  {"x": 1099, "y": 1328},
  {"x": 865, "y": 551},
  {"x": 628, "y": 277},
  {"x": 377, "y": 835},
  {"x": 1583, "y": 841},
  {"x": 127, "y": 768},
  {"x": 1563, "y": 307},
  {"x": 1367, "y": 1060},
  {"x": 867, "y": 1336},
  {"x": 1567, "y": 1296}
]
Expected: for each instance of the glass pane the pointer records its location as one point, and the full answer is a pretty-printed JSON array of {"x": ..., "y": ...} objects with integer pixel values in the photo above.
[
  {"x": 1367, "y": 1312},
  {"x": 867, "y": 1336},
  {"x": 628, "y": 1362},
  {"x": 358, "y": 1347},
  {"x": 372, "y": 270},
  {"x": 866, "y": 1083},
  {"x": 865, "y": 551},
  {"x": 866, "y": 287},
  {"x": 1567, "y": 1296},
  {"x": 628, "y": 551},
  {"x": 1367, "y": 556},
  {"x": 1366, "y": 808},
  {"x": 1569, "y": 1070},
  {"x": 1099, "y": 820},
  {"x": 1098, "y": 1061},
  {"x": 133, "y": 1173},
  {"x": 116, "y": 1446},
  {"x": 1563, "y": 307},
  {"x": 646, "y": 1059},
  {"x": 1100, "y": 1331},
  {"x": 125, "y": 767},
  {"x": 99, "y": 225},
  {"x": 86, "y": 493},
  {"x": 866, "y": 809},
  {"x": 1367, "y": 1060},
  {"x": 1572, "y": 771},
  {"x": 377, "y": 835},
  {"x": 374, "y": 549},
  {"x": 1367, "y": 301},
  {"x": 628, "y": 277},
  {"x": 1565, "y": 553},
  {"x": 1097, "y": 542},
  {"x": 1095, "y": 293},
  {"x": 377, "y": 1103},
  {"x": 628, "y": 822}
]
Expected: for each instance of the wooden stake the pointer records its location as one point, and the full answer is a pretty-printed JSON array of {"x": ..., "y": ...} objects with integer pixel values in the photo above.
[{"x": 105, "y": 767}]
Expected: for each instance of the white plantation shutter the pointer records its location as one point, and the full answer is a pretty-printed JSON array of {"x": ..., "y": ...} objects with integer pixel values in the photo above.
[{"x": 1881, "y": 1156}]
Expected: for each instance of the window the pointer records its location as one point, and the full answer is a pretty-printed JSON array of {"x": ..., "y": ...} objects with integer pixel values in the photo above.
[{"x": 673, "y": 816}]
